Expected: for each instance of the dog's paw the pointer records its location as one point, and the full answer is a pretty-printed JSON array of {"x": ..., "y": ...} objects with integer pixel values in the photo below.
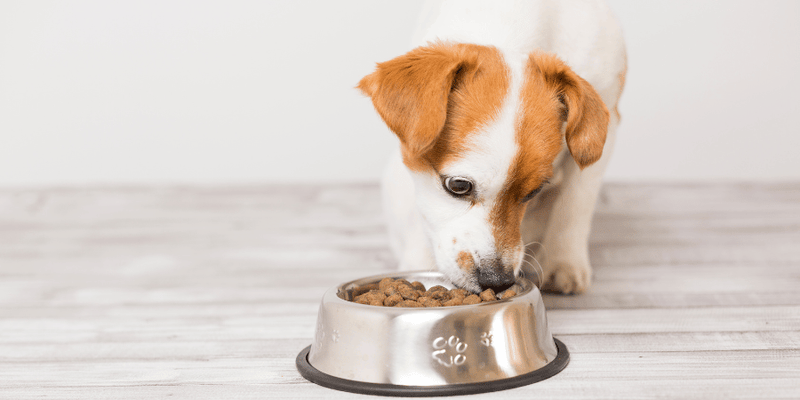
[{"x": 567, "y": 278}]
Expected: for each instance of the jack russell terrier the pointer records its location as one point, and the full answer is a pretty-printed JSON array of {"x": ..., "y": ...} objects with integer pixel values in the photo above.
[{"x": 506, "y": 119}]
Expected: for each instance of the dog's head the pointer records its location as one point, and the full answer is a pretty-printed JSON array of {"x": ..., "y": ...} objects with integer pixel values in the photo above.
[{"x": 479, "y": 133}]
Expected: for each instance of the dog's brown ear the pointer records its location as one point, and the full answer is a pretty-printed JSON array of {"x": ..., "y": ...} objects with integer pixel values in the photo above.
[
  {"x": 585, "y": 113},
  {"x": 411, "y": 92}
]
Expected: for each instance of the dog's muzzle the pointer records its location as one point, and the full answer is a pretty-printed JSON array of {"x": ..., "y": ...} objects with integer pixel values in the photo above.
[{"x": 492, "y": 274}]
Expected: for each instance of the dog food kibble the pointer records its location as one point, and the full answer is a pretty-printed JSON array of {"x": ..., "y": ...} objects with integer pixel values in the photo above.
[
  {"x": 438, "y": 292},
  {"x": 393, "y": 300},
  {"x": 408, "y": 292},
  {"x": 402, "y": 293},
  {"x": 488, "y": 295},
  {"x": 373, "y": 298},
  {"x": 399, "y": 282},
  {"x": 471, "y": 299},
  {"x": 408, "y": 303},
  {"x": 508, "y": 294},
  {"x": 455, "y": 301},
  {"x": 431, "y": 303},
  {"x": 391, "y": 291},
  {"x": 385, "y": 283}
]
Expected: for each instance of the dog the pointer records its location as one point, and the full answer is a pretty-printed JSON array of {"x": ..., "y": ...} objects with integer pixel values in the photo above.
[{"x": 506, "y": 117}]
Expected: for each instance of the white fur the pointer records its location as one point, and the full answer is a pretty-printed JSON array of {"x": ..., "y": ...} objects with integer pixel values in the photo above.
[{"x": 423, "y": 220}]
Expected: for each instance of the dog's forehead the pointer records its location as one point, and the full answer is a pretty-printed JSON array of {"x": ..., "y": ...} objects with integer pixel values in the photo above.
[
  {"x": 489, "y": 153},
  {"x": 487, "y": 160},
  {"x": 511, "y": 153}
]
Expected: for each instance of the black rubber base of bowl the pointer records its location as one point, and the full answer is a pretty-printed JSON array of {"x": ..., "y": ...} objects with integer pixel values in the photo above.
[{"x": 386, "y": 389}]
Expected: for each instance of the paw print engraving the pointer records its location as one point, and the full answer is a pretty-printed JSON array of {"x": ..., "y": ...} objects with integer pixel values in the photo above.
[
  {"x": 486, "y": 339},
  {"x": 335, "y": 336},
  {"x": 444, "y": 349},
  {"x": 320, "y": 339}
]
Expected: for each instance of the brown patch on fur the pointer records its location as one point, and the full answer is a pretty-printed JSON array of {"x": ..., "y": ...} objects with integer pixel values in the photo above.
[
  {"x": 465, "y": 261},
  {"x": 551, "y": 95},
  {"x": 433, "y": 97},
  {"x": 587, "y": 115}
]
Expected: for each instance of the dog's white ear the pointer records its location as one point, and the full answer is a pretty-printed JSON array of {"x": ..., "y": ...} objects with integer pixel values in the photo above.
[
  {"x": 411, "y": 93},
  {"x": 585, "y": 113}
]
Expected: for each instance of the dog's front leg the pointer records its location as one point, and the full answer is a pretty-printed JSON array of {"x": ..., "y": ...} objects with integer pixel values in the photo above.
[
  {"x": 415, "y": 252},
  {"x": 565, "y": 243},
  {"x": 407, "y": 237}
]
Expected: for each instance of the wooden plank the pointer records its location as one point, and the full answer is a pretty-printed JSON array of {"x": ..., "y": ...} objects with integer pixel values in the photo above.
[
  {"x": 711, "y": 319},
  {"x": 681, "y": 341},
  {"x": 553, "y": 389},
  {"x": 290, "y": 320},
  {"x": 668, "y": 299},
  {"x": 606, "y": 375},
  {"x": 707, "y": 365},
  {"x": 111, "y": 349}
]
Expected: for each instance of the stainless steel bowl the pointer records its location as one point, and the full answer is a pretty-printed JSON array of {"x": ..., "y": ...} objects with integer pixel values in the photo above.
[{"x": 431, "y": 351}]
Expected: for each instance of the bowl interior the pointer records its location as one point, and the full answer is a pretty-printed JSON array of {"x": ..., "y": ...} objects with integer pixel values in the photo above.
[{"x": 348, "y": 291}]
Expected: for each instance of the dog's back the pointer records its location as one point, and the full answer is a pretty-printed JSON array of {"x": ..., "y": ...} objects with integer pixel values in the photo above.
[{"x": 583, "y": 33}]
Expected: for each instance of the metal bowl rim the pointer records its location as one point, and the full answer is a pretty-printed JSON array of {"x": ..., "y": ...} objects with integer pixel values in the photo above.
[{"x": 314, "y": 375}]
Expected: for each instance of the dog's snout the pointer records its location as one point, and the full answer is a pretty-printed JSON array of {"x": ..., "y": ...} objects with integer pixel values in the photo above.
[{"x": 493, "y": 274}]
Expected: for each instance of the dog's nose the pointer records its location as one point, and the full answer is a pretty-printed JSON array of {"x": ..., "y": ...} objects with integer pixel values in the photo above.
[{"x": 492, "y": 274}]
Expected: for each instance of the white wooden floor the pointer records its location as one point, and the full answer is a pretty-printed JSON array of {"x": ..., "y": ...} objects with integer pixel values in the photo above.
[{"x": 184, "y": 292}]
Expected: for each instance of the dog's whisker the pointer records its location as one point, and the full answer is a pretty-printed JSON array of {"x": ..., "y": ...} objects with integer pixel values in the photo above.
[
  {"x": 539, "y": 271},
  {"x": 538, "y": 274},
  {"x": 541, "y": 246}
]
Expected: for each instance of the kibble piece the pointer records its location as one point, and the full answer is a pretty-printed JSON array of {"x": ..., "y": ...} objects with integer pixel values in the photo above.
[
  {"x": 364, "y": 289},
  {"x": 488, "y": 295},
  {"x": 438, "y": 292},
  {"x": 393, "y": 300},
  {"x": 508, "y": 294},
  {"x": 418, "y": 285},
  {"x": 442, "y": 295},
  {"x": 390, "y": 291},
  {"x": 401, "y": 281},
  {"x": 385, "y": 283},
  {"x": 437, "y": 288},
  {"x": 431, "y": 303},
  {"x": 408, "y": 292},
  {"x": 375, "y": 295},
  {"x": 408, "y": 303},
  {"x": 471, "y": 299},
  {"x": 459, "y": 293},
  {"x": 455, "y": 301},
  {"x": 362, "y": 300}
]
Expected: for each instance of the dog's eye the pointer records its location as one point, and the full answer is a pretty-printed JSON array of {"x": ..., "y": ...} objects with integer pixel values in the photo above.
[
  {"x": 532, "y": 194},
  {"x": 458, "y": 186}
]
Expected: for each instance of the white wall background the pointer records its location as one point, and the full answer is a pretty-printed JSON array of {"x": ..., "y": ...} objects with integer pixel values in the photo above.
[{"x": 197, "y": 92}]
